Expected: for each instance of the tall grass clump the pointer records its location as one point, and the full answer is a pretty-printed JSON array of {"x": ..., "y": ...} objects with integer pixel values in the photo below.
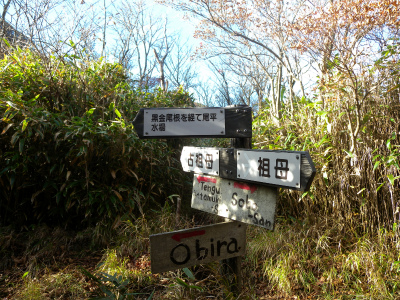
[
  {"x": 353, "y": 138},
  {"x": 315, "y": 261},
  {"x": 68, "y": 151}
]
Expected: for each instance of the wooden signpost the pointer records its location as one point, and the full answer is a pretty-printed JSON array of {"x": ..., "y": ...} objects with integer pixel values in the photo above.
[
  {"x": 237, "y": 183},
  {"x": 189, "y": 247}
]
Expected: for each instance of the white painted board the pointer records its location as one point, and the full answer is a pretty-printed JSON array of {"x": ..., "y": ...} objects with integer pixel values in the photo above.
[
  {"x": 184, "y": 122},
  {"x": 200, "y": 160},
  {"x": 184, "y": 248},
  {"x": 243, "y": 202},
  {"x": 270, "y": 167}
]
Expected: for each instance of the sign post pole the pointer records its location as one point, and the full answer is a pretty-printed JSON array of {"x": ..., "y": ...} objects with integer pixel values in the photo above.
[{"x": 231, "y": 268}]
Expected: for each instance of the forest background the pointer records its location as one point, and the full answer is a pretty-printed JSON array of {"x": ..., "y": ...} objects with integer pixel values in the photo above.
[{"x": 80, "y": 193}]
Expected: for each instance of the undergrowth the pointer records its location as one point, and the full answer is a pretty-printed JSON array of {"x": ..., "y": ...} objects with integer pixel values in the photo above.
[
  {"x": 320, "y": 261},
  {"x": 323, "y": 261}
]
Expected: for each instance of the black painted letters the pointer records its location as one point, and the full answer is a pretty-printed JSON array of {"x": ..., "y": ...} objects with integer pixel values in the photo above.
[{"x": 182, "y": 253}]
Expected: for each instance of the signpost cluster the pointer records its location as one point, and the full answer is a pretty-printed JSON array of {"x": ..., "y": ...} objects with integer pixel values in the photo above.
[{"x": 236, "y": 183}]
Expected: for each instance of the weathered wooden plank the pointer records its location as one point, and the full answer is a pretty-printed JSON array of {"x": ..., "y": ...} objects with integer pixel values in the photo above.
[
  {"x": 243, "y": 202},
  {"x": 189, "y": 247}
]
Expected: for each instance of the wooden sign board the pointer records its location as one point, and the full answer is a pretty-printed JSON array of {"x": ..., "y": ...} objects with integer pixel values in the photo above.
[
  {"x": 189, "y": 247},
  {"x": 240, "y": 201},
  {"x": 287, "y": 169},
  {"x": 218, "y": 122}
]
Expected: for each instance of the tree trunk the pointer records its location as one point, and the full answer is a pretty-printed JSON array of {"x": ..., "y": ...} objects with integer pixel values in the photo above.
[
  {"x": 161, "y": 62},
  {"x": 291, "y": 93},
  {"x": 279, "y": 94}
]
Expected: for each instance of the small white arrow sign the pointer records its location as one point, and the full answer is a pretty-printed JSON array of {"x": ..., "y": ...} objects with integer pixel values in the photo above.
[{"x": 200, "y": 160}]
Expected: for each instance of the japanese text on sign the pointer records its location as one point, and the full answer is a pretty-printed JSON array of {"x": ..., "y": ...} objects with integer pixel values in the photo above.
[
  {"x": 184, "y": 122},
  {"x": 278, "y": 168},
  {"x": 200, "y": 160},
  {"x": 165, "y": 118}
]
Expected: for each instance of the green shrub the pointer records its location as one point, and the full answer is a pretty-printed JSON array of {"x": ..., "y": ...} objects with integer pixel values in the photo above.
[{"x": 68, "y": 151}]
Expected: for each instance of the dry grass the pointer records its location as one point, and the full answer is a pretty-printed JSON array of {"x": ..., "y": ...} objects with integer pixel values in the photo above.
[
  {"x": 317, "y": 262},
  {"x": 296, "y": 260}
]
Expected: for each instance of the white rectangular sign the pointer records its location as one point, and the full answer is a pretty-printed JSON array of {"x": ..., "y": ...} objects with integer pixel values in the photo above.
[
  {"x": 247, "y": 203},
  {"x": 184, "y": 248},
  {"x": 271, "y": 167},
  {"x": 200, "y": 160},
  {"x": 184, "y": 122}
]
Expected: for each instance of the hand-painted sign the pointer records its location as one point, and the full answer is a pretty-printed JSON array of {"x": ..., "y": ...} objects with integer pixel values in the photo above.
[
  {"x": 240, "y": 201},
  {"x": 193, "y": 122},
  {"x": 189, "y": 247},
  {"x": 200, "y": 160},
  {"x": 286, "y": 169}
]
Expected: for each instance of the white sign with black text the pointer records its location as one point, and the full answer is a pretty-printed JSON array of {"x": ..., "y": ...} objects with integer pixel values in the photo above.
[
  {"x": 200, "y": 160},
  {"x": 247, "y": 203},
  {"x": 270, "y": 167},
  {"x": 184, "y": 122}
]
